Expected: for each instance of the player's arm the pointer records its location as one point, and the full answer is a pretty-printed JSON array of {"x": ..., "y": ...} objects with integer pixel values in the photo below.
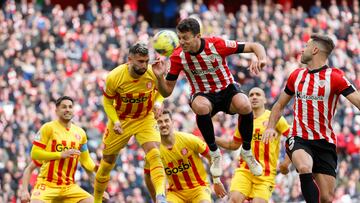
[
  {"x": 86, "y": 160},
  {"x": 276, "y": 112},
  {"x": 232, "y": 144},
  {"x": 24, "y": 192},
  {"x": 164, "y": 85},
  {"x": 108, "y": 103},
  {"x": 39, "y": 153},
  {"x": 354, "y": 98},
  {"x": 256, "y": 48}
]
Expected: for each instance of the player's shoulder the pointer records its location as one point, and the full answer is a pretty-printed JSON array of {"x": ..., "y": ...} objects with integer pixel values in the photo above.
[
  {"x": 175, "y": 56},
  {"x": 186, "y": 137},
  {"x": 78, "y": 129},
  {"x": 118, "y": 70},
  {"x": 336, "y": 71},
  {"x": 49, "y": 125}
]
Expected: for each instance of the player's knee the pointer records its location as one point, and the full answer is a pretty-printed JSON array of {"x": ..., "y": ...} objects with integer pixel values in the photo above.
[
  {"x": 201, "y": 106},
  {"x": 304, "y": 168}
]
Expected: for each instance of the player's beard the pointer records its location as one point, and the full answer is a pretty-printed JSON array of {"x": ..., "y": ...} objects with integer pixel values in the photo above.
[
  {"x": 139, "y": 71},
  {"x": 305, "y": 58}
]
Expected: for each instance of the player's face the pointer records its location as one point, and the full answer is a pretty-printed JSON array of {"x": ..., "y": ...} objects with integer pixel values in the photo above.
[
  {"x": 139, "y": 63},
  {"x": 188, "y": 41},
  {"x": 165, "y": 124},
  {"x": 257, "y": 98},
  {"x": 307, "y": 52},
  {"x": 65, "y": 111}
]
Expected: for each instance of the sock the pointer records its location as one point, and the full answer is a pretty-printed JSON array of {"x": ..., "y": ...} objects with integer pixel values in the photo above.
[
  {"x": 206, "y": 128},
  {"x": 157, "y": 173},
  {"x": 245, "y": 126},
  {"x": 309, "y": 188},
  {"x": 101, "y": 180}
]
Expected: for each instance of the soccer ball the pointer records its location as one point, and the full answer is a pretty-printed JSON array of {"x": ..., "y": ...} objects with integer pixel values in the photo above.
[{"x": 165, "y": 42}]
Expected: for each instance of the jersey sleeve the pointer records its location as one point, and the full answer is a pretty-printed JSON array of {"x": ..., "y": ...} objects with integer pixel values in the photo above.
[
  {"x": 109, "y": 90},
  {"x": 83, "y": 143},
  {"x": 42, "y": 137},
  {"x": 198, "y": 145},
  {"x": 175, "y": 68},
  {"x": 290, "y": 84},
  {"x": 282, "y": 126},
  {"x": 227, "y": 47},
  {"x": 341, "y": 84}
]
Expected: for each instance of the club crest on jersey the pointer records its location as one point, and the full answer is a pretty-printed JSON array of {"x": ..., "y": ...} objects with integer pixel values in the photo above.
[
  {"x": 322, "y": 83},
  {"x": 77, "y": 136},
  {"x": 230, "y": 43},
  {"x": 149, "y": 85},
  {"x": 184, "y": 151}
]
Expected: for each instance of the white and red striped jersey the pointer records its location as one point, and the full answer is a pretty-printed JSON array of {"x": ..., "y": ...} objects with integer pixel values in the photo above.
[
  {"x": 316, "y": 95},
  {"x": 206, "y": 70}
]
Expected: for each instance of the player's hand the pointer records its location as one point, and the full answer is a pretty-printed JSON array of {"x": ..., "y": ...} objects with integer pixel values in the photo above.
[
  {"x": 284, "y": 168},
  {"x": 117, "y": 128},
  {"x": 257, "y": 65},
  {"x": 219, "y": 190},
  {"x": 158, "y": 109},
  {"x": 106, "y": 197},
  {"x": 159, "y": 68},
  {"x": 24, "y": 196},
  {"x": 70, "y": 153},
  {"x": 269, "y": 135}
]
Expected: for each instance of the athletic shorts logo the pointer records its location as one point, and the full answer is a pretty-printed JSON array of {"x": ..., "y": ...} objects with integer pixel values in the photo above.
[{"x": 291, "y": 143}]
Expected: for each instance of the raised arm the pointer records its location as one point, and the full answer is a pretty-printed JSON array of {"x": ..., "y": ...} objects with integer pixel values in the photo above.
[
  {"x": 354, "y": 98},
  {"x": 276, "y": 112},
  {"x": 259, "y": 51},
  {"x": 164, "y": 86}
]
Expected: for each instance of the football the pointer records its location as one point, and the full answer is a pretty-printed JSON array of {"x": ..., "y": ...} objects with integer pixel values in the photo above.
[{"x": 165, "y": 42}]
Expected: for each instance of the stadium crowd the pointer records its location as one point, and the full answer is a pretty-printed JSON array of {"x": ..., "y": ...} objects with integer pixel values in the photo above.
[{"x": 47, "y": 51}]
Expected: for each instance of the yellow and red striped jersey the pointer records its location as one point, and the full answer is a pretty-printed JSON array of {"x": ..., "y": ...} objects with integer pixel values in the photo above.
[
  {"x": 133, "y": 98},
  {"x": 183, "y": 166},
  {"x": 54, "y": 137},
  {"x": 266, "y": 154}
]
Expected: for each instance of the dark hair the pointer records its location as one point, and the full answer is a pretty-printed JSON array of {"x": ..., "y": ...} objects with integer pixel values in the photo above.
[
  {"x": 165, "y": 111},
  {"x": 325, "y": 41},
  {"x": 189, "y": 25},
  {"x": 139, "y": 48},
  {"x": 59, "y": 100}
]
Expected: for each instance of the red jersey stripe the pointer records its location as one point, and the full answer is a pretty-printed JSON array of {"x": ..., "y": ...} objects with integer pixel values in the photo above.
[
  {"x": 108, "y": 96},
  {"x": 69, "y": 168},
  {"x": 60, "y": 167},
  {"x": 186, "y": 176},
  {"x": 139, "y": 107},
  {"x": 52, "y": 163},
  {"x": 175, "y": 178},
  {"x": 41, "y": 145},
  {"x": 195, "y": 171},
  {"x": 267, "y": 159},
  {"x": 193, "y": 68},
  {"x": 128, "y": 107}
]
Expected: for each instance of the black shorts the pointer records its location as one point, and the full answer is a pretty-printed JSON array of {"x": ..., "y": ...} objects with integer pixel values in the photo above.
[
  {"x": 322, "y": 152},
  {"x": 220, "y": 101}
]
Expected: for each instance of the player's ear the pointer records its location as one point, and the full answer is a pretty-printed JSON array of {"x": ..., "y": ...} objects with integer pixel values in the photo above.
[{"x": 315, "y": 50}]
